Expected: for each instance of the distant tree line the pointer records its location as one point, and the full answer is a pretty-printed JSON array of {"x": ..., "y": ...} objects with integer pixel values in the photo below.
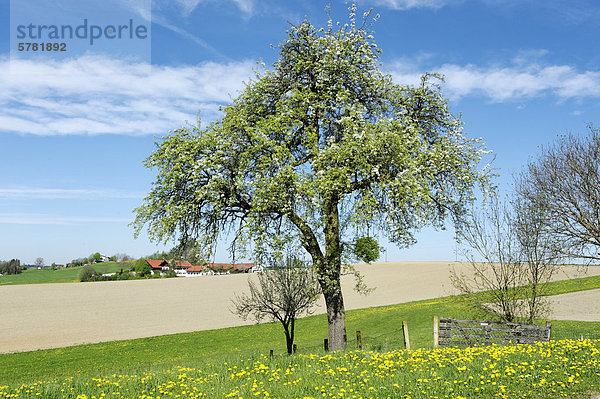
[
  {"x": 97, "y": 257},
  {"x": 12, "y": 266},
  {"x": 190, "y": 252}
]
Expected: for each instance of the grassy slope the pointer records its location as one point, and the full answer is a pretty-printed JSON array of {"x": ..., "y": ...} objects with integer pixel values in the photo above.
[
  {"x": 555, "y": 369},
  {"x": 380, "y": 327},
  {"x": 67, "y": 275}
]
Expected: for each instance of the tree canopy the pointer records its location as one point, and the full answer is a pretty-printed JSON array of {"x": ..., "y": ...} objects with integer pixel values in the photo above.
[
  {"x": 323, "y": 146},
  {"x": 366, "y": 249}
]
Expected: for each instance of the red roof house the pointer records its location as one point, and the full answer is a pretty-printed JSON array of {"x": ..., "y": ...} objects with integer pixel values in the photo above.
[
  {"x": 182, "y": 264},
  {"x": 157, "y": 264},
  {"x": 195, "y": 269}
]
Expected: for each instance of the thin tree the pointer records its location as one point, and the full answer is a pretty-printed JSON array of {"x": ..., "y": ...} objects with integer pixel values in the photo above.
[
  {"x": 537, "y": 251},
  {"x": 510, "y": 264},
  {"x": 494, "y": 281},
  {"x": 282, "y": 293},
  {"x": 323, "y": 145}
]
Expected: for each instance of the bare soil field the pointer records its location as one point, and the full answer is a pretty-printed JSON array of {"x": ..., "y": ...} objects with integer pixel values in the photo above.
[
  {"x": 582, "y": 306},
  {"x": 42, "y": 316}
]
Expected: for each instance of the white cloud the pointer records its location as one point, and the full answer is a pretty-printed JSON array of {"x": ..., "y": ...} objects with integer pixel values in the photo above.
[
  {"x": 99, "y": 95},
  {"x": 188, "y": 6},
  {"x": 23, "y": 193},
  {"x": 407, "y": 4},
  {"x": 499, "y": 83},
  {"x": 96, "y": 94},
  {"x": 246, "y": 6}
]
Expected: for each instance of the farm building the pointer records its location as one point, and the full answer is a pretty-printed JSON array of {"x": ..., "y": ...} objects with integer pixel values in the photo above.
[
  {"x": 199, "y": 271},
  {"x": 229, "y": 268},
  {"x": 181, "y": 267},
  {"x": 186, "y": 269},
  {"x": 158, "y": 265}
]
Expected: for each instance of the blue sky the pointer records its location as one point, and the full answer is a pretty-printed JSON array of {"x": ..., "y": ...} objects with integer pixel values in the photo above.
[{"x": 74, "y": 131}]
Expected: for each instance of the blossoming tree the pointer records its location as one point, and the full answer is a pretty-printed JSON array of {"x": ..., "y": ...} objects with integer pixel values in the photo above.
[{"x": 323, "y": 145}]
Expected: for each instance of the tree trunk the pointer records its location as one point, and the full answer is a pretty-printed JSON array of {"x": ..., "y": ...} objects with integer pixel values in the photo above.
[
  {"x": 290, "y": 343},
  {"x": 328, "y": 268},
  {"x": 331, "y": 284},
  {"x": 336, "y": 318},
  {"x": 289, "y": 336},
  {"x": 533, "y": 302}
]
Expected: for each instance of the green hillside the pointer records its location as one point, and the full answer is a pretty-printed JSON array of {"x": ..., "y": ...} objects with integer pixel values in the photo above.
[
  {"x": 65, "y": 275},
  {"x": 381, "y": 329}
]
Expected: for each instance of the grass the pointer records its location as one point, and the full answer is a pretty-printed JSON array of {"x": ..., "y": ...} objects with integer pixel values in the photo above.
[
  {"x": 380, "y": 328},
  {"x": 568, "y": 368},
  {"x": 66, "y": 275}
]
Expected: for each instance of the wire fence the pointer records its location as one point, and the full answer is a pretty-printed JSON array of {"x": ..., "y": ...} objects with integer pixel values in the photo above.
[
  {"x": 370, "y": 340},
  {"x": 388, "y": 340},
  {"x": 558, "y": 335}
]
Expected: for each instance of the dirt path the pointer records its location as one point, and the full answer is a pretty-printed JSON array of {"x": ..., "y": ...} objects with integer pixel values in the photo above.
[{"x": 55, "y": 315}]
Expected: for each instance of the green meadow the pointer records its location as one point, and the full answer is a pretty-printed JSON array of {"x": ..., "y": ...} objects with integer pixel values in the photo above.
[
  {"x": 145, "y": 365},
  {"x": 63, "y": 275},
  {"x": 555, "y": 369}
]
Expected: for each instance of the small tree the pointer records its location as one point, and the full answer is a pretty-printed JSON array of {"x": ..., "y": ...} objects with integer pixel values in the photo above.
[
  {"x": 537, "y": 251},
  {"x": 366, "y": 249},
  {"x": 120, "y": 257},
  {"x": 159, "y": 255},
  {"x": 39, "y": 262},
  {"x": 142, "y": 268},
  {"x": 77, "y": 262},
  {"x": 88, "y": 273},
  {"x": 495, "y": 268},
  {"x": 13, "y": 266},
  {"x": 123, "y": 275},
  {"x": 282, "y": 294},
  {"x": 190, "y": 251},
  {"x": 510, "y": 260}
]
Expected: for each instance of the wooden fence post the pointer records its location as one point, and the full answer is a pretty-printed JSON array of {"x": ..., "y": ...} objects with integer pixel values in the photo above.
[
  {"x": 326, "y": 345},
  {"x": 436, "y": 332},
  {"x": 549, "y": 326},
  {"x": 358, "y": 340},
  {"x": 405, "y": 331}
]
